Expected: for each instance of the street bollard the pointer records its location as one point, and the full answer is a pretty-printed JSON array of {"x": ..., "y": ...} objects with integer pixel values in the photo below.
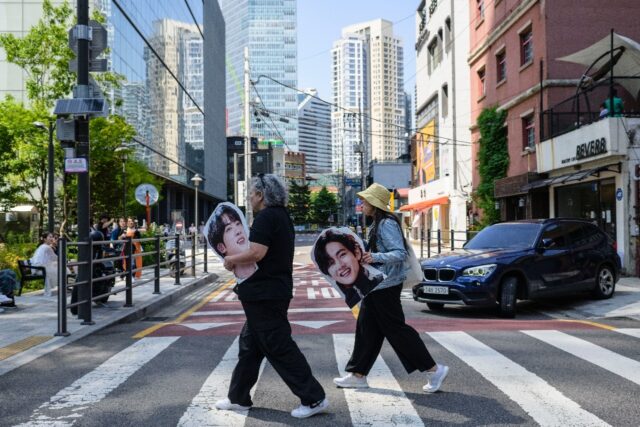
[
  {"x": 206, "y": 267},
  {"x": 178, "y": 269},
  {"x": 156, "y": 272},
  {"x": 129, "y": 289},
  {"x": 439, "y": 234},
  {"x": 428, "y": 243},
  {"x": 193, "y": 255},
  {"x": 62, "y": 288},
  {"x": 422, "y": 243}
]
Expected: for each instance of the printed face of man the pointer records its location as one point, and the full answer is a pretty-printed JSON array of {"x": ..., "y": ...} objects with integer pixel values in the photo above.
[
  {"x": 343, "y": 264},
  {"x": 234, "y": 238}
]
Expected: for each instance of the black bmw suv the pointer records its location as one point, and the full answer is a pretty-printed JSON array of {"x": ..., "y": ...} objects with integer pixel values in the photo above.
[{"x": 522, "y": 260}]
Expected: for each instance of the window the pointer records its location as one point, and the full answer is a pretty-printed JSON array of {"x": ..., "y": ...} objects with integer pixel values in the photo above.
[
  {"x": 481, "y": 80},
  {"x": 445, "y": 101},
  {"x": 447, "y": 35},
  {"x": 501, "y": 67},
  {"x": 480, "y": 8},
  {"x": 526, "y": 47},
  {"x": 528, "y": 132},
  {"x": 557, "y": 235}
]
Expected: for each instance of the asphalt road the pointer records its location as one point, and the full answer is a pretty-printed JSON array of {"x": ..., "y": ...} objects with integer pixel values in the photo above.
[{"x": 168, "y": 369}]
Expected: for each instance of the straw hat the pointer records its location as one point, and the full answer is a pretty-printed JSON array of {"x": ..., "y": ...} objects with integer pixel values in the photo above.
[{"x": 377, "y": 196}]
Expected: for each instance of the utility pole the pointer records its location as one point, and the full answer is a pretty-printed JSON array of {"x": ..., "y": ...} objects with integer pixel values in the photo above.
[
  {"x": 247, "y": 142},
  {"x": 363, "y": 153},
  {"x": 82, "y": 146},
  {"x": 235, "y": 179}
]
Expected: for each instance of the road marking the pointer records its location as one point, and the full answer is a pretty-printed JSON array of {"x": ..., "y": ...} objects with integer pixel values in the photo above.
[
  {"x": 588, "y": 322},
  {"x": 187, "y": 313},
  {"x": 315, "y": 283},
  {"x": 291, "y": 310},
  {"x": 66, "y": 407},
  {"x": 315, "y": 324},
  {"x": 606, "y": 359},
  {"x": 205, "y": 326},
  {"x": 22, "y": 345},
  {"x": 384, "y": 403},
  {"x": 544, "y": 403},
  {"x": 221, "y": 295},
  {"x": 633, "y": 332},
  {"x": 202, "y": 411}
]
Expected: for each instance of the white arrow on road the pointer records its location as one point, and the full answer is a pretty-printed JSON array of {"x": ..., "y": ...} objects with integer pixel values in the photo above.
[
  {"x": 315, "y": 324},
  {"x": 204, "y": 326}
]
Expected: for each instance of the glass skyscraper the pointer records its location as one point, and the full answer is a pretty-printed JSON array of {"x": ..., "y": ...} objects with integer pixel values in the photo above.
[{"x": 268, "y": 28}]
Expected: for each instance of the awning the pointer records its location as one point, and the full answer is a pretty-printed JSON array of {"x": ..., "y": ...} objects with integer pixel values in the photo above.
[
  {"x": 570, "y": 177},
  {"x": 403, "y": 192},
  {"x": 418, "y": 206}
]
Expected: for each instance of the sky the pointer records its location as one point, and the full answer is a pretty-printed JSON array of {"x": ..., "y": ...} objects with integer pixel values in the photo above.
[{"x": 320, "y": 23}]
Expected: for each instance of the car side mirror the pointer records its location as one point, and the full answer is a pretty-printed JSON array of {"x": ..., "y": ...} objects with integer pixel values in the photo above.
[{"x": 547, "y": 243}]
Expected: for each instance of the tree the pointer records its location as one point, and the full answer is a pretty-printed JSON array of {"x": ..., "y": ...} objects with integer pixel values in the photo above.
[
  {"x": 493, "y": 160},
  {"x": 106, "y": 178},
  {"x": 299, "y": 202},
  {"x": 323, "y": 205}
]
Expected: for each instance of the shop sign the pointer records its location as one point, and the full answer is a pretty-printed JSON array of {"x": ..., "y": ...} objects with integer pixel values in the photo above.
[{"x": 592, "y": 148}]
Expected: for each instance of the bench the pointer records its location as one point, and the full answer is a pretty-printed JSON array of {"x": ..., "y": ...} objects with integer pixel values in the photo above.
[{"x": 30, "y": 273}]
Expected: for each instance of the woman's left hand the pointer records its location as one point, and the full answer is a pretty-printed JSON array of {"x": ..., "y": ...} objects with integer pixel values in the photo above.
[{"x": 367, "y": 258}]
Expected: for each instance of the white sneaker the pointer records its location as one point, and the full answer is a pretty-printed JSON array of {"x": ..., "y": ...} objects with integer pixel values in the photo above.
[
  {"x": 4, "y": 298},
  {"x": 436, "y": 379},
  {"x": 226, "y": 405},
  {"x": 351, "y": 381},
  {"x": 304, "y": 411}
]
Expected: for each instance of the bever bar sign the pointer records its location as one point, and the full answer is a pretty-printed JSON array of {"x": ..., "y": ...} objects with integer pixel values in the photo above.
[{"x": 591, "y": 148}]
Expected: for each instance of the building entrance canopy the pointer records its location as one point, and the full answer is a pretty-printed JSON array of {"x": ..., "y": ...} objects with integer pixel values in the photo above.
[
  {"x": 572, "y": 177},
  {"x": 425, "y": 204}
]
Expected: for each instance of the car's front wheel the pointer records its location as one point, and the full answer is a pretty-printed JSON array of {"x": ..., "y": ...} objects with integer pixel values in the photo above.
[
  {"x": 435, "y": 306},
  {"x": 508, "y": 297},
  {"x": 605, "y": 283}
]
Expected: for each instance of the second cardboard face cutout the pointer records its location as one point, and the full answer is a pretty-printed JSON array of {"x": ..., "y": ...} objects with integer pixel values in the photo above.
[
  {"x": 337, "y": 253},
  {"x": 227, "y": 233}
]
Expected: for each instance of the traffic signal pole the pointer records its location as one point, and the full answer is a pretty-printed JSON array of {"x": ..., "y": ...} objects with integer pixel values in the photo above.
[{"x": 82, "y": 147}]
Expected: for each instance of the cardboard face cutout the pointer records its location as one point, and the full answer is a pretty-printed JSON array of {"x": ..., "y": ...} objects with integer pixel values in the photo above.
[
  {"x": 227, "y": 233},
  {"x": 337, "y": 253}
]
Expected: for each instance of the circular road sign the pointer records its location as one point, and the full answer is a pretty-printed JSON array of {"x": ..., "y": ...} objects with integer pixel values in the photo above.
[{"x": 141, "y": 194}]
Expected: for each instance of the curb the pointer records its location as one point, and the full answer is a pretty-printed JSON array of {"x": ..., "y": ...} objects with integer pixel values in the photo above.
[{"x": 137, "y": 312}]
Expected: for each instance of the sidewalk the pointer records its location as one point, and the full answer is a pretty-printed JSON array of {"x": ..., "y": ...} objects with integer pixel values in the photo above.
[{"x": 28, "y": 330}]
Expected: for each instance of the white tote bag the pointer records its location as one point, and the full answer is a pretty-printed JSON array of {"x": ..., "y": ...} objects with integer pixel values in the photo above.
[{"x": 413, "y": 269}]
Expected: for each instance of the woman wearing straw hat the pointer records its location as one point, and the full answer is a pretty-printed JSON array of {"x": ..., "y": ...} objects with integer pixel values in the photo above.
[{"x": 381, "y": 314}]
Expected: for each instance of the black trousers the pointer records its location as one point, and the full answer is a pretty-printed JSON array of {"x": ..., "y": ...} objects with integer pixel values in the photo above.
[
  {"x": 267, "y": 333},
  {"x": 381, "y": 317}
]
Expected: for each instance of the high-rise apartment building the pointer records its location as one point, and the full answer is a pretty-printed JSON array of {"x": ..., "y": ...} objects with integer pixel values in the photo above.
[
  {"x": 368, "y": 76},
  {"x": 314, "y": 130},
  {"x": 268, "y": 29}
]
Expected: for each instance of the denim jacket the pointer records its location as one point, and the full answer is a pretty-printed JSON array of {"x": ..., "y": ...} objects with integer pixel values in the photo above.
[{"x": 391, "y": 253}]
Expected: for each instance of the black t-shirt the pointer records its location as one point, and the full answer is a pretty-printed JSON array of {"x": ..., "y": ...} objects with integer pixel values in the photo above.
[{"x": 273, "y": 228}]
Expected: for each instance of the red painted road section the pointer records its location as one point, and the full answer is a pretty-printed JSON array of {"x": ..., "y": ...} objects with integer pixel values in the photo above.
[{"x": 317, "y": 309}]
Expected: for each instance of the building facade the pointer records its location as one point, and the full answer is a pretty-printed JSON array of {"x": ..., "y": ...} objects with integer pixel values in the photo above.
[
  {"x": 441, "y": 149},
  {"x": 269, "y": 30},
  {"x": 314, "y": 132}
]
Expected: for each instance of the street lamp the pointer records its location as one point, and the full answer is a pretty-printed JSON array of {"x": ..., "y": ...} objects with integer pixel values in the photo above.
[
  {"x": 123, "y": 151},
  {"x": 197, "y": 179},
  {"x": 50, "y": 128}
]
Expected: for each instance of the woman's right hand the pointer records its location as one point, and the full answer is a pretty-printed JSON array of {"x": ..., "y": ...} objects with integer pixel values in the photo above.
[{"x": 367, "y": 258}]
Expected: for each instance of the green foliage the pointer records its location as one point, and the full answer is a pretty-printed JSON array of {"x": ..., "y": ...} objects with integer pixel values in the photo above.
[
  {"x": 299, "y": 202},
  {"x": 323, "y": 205},
  {"x": 43, "y": 53},
  {"x": 106, "y": 175},
  {"x": 493, "y": 160}
]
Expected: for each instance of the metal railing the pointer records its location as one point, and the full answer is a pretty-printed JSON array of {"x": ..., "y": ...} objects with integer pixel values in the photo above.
[
  {"x": 161, "y": 257},
  {"x": 435, "y": 241}
]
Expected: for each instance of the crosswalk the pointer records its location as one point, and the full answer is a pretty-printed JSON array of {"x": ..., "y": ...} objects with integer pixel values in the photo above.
[{"x": 513, "y": 379}]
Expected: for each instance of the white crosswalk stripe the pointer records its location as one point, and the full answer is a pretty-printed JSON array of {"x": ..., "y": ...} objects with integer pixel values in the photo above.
[
  {"x": 67, "y": 406},
  {"x": 202, "y": 412},
  {"x": 602, "y": 357},
  {"x": 544, "y": 403},
  {"x": 632, "y": 332},
  {"x": 384, "y": 403}
]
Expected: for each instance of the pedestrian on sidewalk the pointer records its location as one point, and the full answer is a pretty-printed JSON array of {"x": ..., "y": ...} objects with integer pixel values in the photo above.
[
  {"x": 133, "y": 233},
  {"x": 381, "y": 314},
  {"x": 265, "y": 298},
  {"x": 8, "y": 286},
  {"x": 45, "y": 256}
]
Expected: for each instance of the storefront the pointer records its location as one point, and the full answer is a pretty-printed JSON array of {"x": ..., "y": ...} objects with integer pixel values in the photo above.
[{"x": 589, "y": 177}]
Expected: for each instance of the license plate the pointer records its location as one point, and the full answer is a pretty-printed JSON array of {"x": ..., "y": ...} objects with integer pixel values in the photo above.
[{"x": 439, "y": 290}]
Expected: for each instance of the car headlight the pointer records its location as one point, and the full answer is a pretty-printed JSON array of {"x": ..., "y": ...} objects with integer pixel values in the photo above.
[{"x": 479, "y": 270}]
